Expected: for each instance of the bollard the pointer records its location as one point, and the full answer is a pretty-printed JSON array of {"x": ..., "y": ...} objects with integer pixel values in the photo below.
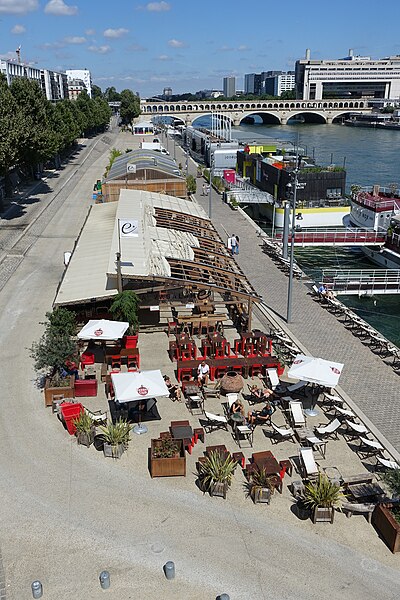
[
  {"x": 37, "y": 589},
  {"x": 223, "y": 597},
  {"x": 105, "y": 580},
  {"x": 169, "y": 570}
]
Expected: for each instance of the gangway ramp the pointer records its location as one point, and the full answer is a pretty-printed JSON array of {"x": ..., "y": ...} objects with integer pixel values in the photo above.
[
  {"x": 336, "y": 237},
  {"x": 365, "y": 282}
]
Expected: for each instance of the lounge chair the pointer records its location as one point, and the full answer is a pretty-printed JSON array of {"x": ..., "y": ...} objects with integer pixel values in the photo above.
[
  {"x": 332, "y": 399},
  {"x": 98, "y": 417},
  {"x": 273, "y": 378},
  {"x": 215, "y": 422},
  {"x": 330, "y": 430},
  {"x": 281, "y": 434},
  {"x": 355, "y": 429},
  {"x": 344, "y": 412},
  {"x": 369, "y": 447},
  {"x": 308, "y": 465},
  {"x": 386, "y": 463},
  {"x": 297, "y": 415}
]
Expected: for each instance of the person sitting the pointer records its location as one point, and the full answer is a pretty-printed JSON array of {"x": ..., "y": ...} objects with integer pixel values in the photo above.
[
  {"x": 261, "y": 393},
  {"x": 202, "y": 373},
  {"x": 260, "y": 415},
  {"x": 175, "y": 392},
  {"x": 237, "y": 407}
]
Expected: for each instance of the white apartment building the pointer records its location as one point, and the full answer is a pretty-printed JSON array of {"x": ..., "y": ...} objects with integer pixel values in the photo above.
[
  {"x": 279, "y": 82},
  {"x": 84, "y": 75},
  {"x": 53, "y": 83},
  {"x": 12, "y": 69},
  {"x": 353, "y": 76},
  {"x": 229, "y": 84}
]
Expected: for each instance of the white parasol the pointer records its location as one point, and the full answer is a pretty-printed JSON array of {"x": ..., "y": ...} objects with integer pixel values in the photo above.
[
  {"x": 131, "y": 387},
  {"x": 316, "y": 370},
  {"x": 102, "y": 329}
]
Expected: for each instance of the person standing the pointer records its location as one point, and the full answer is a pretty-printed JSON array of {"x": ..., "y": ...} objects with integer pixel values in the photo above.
[
  {"x": 233, "y": 244},
  {"x": 237, "y": 244}
]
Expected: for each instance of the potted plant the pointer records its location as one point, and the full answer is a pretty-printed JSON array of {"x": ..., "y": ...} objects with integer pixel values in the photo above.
[
  {"x": 116, "y": 438},
  {"x": 191, "y": 184},
  {"x": 322, "y": 497},
  {"x": 260, "y": 487},
  {"x": 125, "y": 308},
  {"x": 386, "y": 516},
  {"x": 234, "y": 204},
  {"x": 282, "y": 360},
  {"x": 167, "y": 458},
  {"x": 85, "y": 429},
  {"x": 215, "y": 474},
  {"x": 52, "y": 351}
]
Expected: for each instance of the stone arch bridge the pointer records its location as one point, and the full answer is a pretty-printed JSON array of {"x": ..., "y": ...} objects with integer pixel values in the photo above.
[{"x": 275, "y": 112}]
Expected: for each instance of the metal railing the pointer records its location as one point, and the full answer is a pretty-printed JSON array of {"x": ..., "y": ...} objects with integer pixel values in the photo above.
[
  {"x": 336, "y": 237},
  {"x": 362, "y": 282}
]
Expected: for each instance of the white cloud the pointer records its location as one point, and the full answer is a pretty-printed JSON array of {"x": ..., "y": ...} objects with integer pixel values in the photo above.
[
  {"x": 115, "y": 33},
  {"x": 158, "y": 6},
  {"x": 90, "y": 32},
  {"x": 163, "y": 57},
  {"x": 18, "y": 29},
  {"x": 176, "y": 43},
  {"x": 75, "y": 39},
  {"x": 99, "y": 49},
  {"x": 243, "y": 48},
  {"x": 18, "y": 7},
  {"x": 59, "y": 8}
]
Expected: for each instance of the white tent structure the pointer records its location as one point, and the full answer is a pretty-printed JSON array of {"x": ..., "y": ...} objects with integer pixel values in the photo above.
[
  {"x": 132, "y": 387},
  {"x": 316, "y": 370},
  {"x": 102, "y": 329}
]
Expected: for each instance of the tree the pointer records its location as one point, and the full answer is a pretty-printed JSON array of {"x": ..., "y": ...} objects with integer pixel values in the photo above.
[
  {"x": 56, "y": 345},
  {"x": 288, "y": 95},
  {"x": 38, "y": 142},
  {"x": 111, "y": 95},
  {"x": 96, "y": 92},
  {"x": 125, "y": 308},
  {"x": 130, "y": 106},
  {"x": 11, "y": 128},
  {"x": 191, "y": 184}
]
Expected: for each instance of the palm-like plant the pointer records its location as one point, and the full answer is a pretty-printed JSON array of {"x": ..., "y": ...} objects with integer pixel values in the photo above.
[
  {"x": 125, "y": 307},
  {"x": 216, "y": 469},
  {"x": 117, "y": 433},
  {"x": 83, "y": 423},
  {"x": 323, "y": 493},
  {"x": 259, "y": 481}
]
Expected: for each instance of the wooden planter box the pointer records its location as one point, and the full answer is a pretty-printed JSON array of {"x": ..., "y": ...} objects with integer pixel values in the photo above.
[
  {"x": 387, "y": 526},
  {"x": 261, "y": 495},
  {"x": 167, "y": 467},
  {"x": 219, "y": 489},
  {"x": 84, "y": 438},
  {"x": 67, "y": 392},
  {"x": 323, "y": 515},
  {"x": 110, "y": 451}
]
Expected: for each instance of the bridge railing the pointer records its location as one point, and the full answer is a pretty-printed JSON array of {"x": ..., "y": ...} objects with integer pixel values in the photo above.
[{"x": 361, "y": 282}]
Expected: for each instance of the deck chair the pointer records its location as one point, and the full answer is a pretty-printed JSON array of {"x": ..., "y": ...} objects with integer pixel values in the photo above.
[
  {"x": 273, "y": 378},
  {"x": 344, "y": 412},
  {"x": 280, "y": 434},
  {"x": 369, "y": 447},
  {"x": 386, "y": 463},
  {"x": 332, "y": 399},
  {"x": 330, "y": 430},
  {"x": 215, "y": 422},
  {"x": 308, "y": 465},
  {"x": 296, "y": 412},
  {"x": 98, "y": 417},
  {"x": 355, "y": 429},
  {"x": 231, "y": 399},
  {"x": 296, "y": 387}
]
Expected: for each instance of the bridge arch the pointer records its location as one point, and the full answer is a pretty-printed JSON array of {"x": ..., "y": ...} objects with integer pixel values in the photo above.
[
  {"x": 309, "y": 117},
  {"x": 268, "y": 117},
  {"x": 224, "y": 117}
]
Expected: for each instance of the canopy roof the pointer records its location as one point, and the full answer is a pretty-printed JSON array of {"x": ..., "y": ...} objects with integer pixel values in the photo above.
[
  {"x": 316, "y": 370},
  {"x": 143, "y": 159},
  {"x": 130, "y": 387},
  {"x": 103, "y": 329},
  {"x": 175, "y": 245}
]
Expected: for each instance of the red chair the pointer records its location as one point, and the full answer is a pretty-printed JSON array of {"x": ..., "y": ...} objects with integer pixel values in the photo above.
[
  {"x": 255, "y": 370},
  {"x": 282, "y": 472},
  {"x": 115, "y": 364},
  {"x": 87, "y": 358},
  {"x": 184, "y": 374},
  {"x": 172, "y": 326}
]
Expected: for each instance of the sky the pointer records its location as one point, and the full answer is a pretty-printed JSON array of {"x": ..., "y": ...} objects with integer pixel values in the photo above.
[{"x": 190, "y": 45}]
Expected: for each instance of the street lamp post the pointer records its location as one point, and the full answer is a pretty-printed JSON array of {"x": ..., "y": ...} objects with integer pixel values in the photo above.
[
  {"x": 294, "y": 199},
  {"x": 210, "y": 186}
]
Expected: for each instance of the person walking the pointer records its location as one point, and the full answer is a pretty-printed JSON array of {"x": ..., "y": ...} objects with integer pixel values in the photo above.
[
  {"x": 237, "y": 244},
  {"x": 233, "y": 244},
  {"x": 229, "y": 244}
]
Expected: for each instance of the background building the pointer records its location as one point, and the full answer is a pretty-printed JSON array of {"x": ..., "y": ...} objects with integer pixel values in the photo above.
[
  {"x": 272, "y": 83},
  {"x": 53, "y": 83},
  {"x": 229, "y": 87},
  {"x": 84, "y": 75},
  {"x": 253, "y": 83},
  {"x": 75, "y": 87},
  {"x": 167, "y": 93},
  {"x": 353, "y": 76}
]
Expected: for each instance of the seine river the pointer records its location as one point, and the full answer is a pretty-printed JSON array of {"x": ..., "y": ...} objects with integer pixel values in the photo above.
[{"x": 370, "y": 157}]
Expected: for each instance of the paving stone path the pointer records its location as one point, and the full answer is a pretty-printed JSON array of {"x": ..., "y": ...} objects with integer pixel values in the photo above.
[{"x": 370, "y": 383}]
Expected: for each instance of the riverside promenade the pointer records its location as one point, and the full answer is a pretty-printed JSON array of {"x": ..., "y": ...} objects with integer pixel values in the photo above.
[{"x": 370, "y": 383}]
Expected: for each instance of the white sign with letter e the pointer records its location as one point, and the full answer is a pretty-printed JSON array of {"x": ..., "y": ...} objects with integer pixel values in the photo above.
[{"x": 128, "y": 228}]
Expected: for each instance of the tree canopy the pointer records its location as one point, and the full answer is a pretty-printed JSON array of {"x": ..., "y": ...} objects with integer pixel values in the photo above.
[{"x": 130, "y": 106}]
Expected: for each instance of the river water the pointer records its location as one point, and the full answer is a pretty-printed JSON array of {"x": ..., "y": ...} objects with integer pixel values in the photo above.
[{"x": 370, "y": 156}]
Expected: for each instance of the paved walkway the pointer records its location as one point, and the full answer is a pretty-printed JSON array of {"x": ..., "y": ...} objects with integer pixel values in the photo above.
[{"x": 369, "y": 382}]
